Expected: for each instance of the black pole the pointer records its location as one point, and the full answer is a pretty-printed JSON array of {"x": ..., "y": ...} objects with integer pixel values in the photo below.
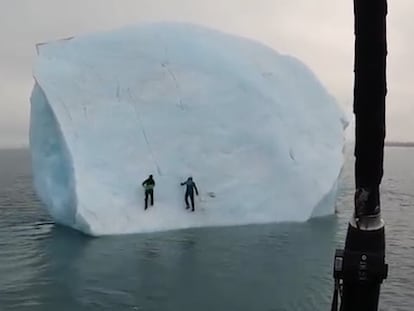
[
  {"x": 369, "y": 97},
  {"x": 360, "y": 268}
]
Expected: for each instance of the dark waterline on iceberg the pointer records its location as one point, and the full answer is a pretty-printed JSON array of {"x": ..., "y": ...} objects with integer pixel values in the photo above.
[{"x": 259, "y": 267}]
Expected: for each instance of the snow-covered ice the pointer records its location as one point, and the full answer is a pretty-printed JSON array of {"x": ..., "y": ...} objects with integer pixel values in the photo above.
[{"x": 253, "y": 127}]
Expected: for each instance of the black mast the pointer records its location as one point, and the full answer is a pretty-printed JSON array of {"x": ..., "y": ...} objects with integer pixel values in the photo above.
[
  {"x": 369, "y": 97},
  {"x": 360, "y": 268}
]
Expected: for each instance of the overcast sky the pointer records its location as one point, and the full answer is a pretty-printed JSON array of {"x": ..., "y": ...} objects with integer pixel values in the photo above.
[{"x": 319, "y": 32}]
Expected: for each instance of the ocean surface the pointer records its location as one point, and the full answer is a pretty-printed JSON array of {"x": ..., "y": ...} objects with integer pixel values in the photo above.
[{"x": 259, "y": 267}]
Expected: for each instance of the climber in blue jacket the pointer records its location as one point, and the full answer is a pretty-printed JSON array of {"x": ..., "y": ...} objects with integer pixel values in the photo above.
[{"x": 189, "y": 192}]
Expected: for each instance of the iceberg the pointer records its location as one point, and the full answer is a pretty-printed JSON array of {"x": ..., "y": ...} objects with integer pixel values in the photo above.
[{"x": 256, "y": 129}]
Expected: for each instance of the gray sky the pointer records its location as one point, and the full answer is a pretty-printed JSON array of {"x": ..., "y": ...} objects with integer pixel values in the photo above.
[{"x": 319, "y": 32}]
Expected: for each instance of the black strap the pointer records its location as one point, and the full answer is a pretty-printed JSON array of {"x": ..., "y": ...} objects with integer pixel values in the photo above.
[{"x": 336, "y": 296}]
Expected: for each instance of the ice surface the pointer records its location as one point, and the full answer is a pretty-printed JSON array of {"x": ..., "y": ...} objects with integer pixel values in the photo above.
[{"x": 258, "y": 132}]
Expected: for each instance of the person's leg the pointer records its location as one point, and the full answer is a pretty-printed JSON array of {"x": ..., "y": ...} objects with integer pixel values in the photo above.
[
  {"x": 192, "y": 202},
  {"x": 187, "y": 206},
  {"x": 152, "y": 197},
  {"x": 146, "y": 200}
]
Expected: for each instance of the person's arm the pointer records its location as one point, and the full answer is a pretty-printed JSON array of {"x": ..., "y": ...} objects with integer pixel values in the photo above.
[
  {"x": 183, "y": 183},
  {"x": 195, "y": 187}
]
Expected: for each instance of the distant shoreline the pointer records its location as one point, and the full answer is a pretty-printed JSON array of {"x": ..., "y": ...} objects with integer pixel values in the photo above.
[
  {"x": 13, "y": 148},
  {"x": 399, "y": 144}
]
